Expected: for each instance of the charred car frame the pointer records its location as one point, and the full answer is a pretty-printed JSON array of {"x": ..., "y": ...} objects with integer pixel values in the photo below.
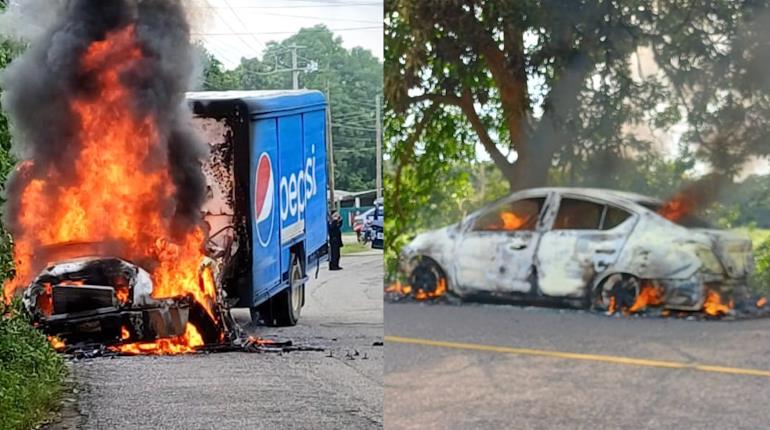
[{"x": 584, "y": 246}]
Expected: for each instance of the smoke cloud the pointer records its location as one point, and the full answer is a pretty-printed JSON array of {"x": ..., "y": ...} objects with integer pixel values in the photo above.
[{"x": 40, "y": 85}]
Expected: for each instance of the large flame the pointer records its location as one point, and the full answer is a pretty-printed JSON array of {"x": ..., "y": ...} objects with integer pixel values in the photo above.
[{"x": 120, "y": 192}]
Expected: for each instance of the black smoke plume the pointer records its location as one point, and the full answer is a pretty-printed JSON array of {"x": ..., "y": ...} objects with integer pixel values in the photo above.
[{"x": 39, "y": 86}]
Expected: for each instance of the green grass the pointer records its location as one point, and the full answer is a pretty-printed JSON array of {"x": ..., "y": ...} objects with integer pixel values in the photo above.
[
  {"x": 354, "y": 248},
  {"x": 31, "y": 372}
]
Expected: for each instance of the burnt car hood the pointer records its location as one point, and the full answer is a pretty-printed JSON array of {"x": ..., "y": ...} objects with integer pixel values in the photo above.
[{"x": 101, "y": 299}]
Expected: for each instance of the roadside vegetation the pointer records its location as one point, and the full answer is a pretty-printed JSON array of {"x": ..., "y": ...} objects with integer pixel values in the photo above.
[
  {"x": 355, "y": 248},
  {"x": 31, "y": 372}
]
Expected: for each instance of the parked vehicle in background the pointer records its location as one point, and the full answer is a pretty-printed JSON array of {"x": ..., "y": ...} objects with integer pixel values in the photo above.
[
  {"x": 593, "y": 247},
  {"x": 361, "y": 224},
  {"x": 377, "y": 226}
]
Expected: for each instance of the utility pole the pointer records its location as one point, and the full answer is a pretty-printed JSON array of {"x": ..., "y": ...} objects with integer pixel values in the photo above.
[
  {"x": 329, "y": 146},
  {"x": 294, "y": 69},
  {"x": 378, "y": 151}
]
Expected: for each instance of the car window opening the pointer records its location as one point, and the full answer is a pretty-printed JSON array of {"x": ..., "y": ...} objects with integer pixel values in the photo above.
[
  {"x": 577, "y": 214},
  {"x": 685, "y": 219},
  {"x": 519, "y": 215}
]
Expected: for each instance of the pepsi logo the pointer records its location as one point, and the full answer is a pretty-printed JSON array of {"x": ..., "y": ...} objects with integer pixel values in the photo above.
[{"x": 264, "y": 198}]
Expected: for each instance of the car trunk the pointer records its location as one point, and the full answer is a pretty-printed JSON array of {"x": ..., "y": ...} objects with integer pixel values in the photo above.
[{"x": 733, "y": 251}]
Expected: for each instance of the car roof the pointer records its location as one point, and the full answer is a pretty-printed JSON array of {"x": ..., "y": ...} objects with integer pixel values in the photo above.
[{"x": 597, "y": 193}]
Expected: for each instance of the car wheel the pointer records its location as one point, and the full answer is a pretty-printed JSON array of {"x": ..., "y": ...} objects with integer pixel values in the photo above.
[
  {"x": 618, "y": 291},
  {"x": 284, "y": 308},
  {"x": 426, "y": 277}
]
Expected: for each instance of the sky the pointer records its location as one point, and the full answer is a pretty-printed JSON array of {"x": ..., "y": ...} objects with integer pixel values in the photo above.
[{"x": 231, "y": 29}]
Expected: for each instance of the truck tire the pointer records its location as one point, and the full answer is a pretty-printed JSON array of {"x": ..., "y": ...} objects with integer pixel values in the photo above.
[{"x": 283, "y": 309}]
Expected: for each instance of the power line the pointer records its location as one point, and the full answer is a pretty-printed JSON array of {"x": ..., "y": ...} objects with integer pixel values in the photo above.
[
  {"x": 220, "y": 52},
  {"x": 322, "y": 18},
  {"x": 240, "y": 37},
  {"x": 325, "y": 3},
  {"x": 354, "y": 127},
  {"x": 301, "y": 7},
  {"x": 290, "y": 32},
  {"x": 245, "y": 27}
]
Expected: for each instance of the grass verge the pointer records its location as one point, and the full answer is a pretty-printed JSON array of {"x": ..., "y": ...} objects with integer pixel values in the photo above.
[
  {"x": 354, "y": 248},
  {"x": 31, "y": 372}
]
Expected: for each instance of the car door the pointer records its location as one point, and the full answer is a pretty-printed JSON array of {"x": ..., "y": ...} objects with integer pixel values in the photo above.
[
  {"x": 585, "y": 238},
  {"x": 496, "y": 250}
]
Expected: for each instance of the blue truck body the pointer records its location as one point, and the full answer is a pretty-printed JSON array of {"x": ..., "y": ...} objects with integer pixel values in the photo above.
[{"x": 279, "y": 162}]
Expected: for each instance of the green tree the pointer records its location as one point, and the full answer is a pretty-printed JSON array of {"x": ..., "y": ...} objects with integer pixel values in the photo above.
[
  {"x": 8, "y": 50},
  {"x": 352, "y": 78},
  {"x": 215, "y": 77}
]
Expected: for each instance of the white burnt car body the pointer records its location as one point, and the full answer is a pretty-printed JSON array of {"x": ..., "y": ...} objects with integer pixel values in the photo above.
[{"x": 581, "y": 245}]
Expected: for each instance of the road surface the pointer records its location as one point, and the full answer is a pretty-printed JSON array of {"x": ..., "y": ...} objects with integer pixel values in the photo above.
[
  {"x": 338, "y": 388},
  {"x": 497, "y": 366}
]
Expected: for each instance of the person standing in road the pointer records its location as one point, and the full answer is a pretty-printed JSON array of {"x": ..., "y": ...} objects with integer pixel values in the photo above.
[{"x": 335, "y": 241}]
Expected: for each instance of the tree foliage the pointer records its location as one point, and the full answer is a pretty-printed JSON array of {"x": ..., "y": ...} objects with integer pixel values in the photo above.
[
  {"x": 8, "y": 50},
  {"x": 352, "y": 78}
]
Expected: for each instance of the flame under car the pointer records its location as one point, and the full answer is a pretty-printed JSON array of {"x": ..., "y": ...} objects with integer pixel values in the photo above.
[{"x": 590, "y": 247}]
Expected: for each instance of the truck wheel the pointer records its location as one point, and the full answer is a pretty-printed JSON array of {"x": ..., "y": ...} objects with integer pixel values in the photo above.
[{"x": 284, "y": 308}]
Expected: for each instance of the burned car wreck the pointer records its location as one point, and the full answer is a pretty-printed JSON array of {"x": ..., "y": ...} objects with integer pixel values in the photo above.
[
  {"x": 593, "y": 248},
  {"x": 102, "y": 300}
]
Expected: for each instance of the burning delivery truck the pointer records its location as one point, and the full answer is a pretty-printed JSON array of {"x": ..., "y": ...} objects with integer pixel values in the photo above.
[{"x": 267, "y": 195}]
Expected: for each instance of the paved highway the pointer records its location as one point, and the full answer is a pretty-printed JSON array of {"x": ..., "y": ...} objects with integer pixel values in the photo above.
[{"x": 500, "y": 366}]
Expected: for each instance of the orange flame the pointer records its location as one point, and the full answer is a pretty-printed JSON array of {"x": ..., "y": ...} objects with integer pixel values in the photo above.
[
  {"x": 185, "y": 343},
  {"x": 56, "y": 343},
  {"x": 122, "y": 191},
  {"x": 399, "y": 288},
  {"x": 713, "y": 305},
  {"x": 649, "y": 295},
  {"x": 124, "y": 333},
  {"x": 260, "y": 341},
  {"x": 677, "y": 207},
  {"x": 438, "y": 292},
  {"x": 761, "y": 302},
  {"x": 510, "y": 221},
  {"x": 419, "y": 294}
]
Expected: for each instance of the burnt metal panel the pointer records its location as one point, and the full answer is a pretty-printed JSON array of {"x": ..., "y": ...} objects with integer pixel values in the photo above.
[{"x": 79, "y": 298}]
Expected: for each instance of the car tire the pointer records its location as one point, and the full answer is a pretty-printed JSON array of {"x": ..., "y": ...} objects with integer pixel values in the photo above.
[
  {"x": 426, "y": 276},
  {"x": 623, "y": 287},
  {"x": 283, "y": 309}
]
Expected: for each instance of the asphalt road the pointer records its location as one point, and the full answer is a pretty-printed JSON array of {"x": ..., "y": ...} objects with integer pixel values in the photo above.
[
  {"x": 339, "y": 388},
  {"x": 497, "y": 366}
]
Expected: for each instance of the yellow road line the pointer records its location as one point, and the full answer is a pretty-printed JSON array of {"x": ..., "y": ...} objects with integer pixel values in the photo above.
[{"x": 614, "y": 359}]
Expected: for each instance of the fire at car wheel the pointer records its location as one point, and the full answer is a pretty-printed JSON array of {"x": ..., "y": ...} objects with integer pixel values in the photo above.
[
  {"x": 618, "y": 291},
  {"x": 426, "y": 276},
  {"x": 285, "y": 307}
]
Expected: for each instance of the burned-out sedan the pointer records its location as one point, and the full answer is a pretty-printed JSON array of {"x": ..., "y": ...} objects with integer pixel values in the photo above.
[{"x": 589, "y": 247}]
